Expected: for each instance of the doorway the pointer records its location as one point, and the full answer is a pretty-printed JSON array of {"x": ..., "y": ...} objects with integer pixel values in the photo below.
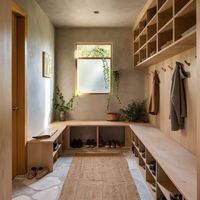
[{"x": 18, "y": 91}]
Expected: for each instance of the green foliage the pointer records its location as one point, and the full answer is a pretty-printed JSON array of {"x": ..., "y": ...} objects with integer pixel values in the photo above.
[
  {"x": 135, "y": 112},
  {"x": 59, "y": 102}
]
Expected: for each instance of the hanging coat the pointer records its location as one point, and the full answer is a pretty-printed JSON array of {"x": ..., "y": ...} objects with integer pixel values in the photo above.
[
  {"x": 178, "y": 108},
  {"x": 155, "y": 96}
]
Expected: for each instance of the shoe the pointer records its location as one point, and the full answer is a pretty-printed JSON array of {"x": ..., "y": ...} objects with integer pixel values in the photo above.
[
  {"x": 152, "y": 167},
  {"x": 117, "y": 144},
  {"x": 108, "y": 144},
  {"x": 74, "y": 143},
  {"x": 162, "y": 198},
  {"x": 79, "y": 143},
  {"x": 113, "y": 144},
  {"x": 88, "y": 143},
  {"x": 55, "y": 146},
  {"x": 41, "y": 172},
  {"x": 93, "y": 143},
  {"x": 32, "y": 173},
  {"x": 175, "y": 196},
  {"x": 101, "y": 142}
]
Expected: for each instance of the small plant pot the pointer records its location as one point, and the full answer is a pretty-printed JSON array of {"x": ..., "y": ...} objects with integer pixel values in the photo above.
[
  {"x": 62, "y": 116},
  {"x": 112, "y": 117}
]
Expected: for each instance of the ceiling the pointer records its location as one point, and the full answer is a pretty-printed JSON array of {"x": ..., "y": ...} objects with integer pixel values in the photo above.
[{"x": 79, "y": 13}]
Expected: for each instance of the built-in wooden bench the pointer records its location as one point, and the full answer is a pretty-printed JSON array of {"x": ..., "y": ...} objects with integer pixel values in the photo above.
[{"x": 176, "y": 167}]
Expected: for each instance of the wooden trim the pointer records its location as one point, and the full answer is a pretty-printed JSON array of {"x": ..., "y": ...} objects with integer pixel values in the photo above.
[{"x": 22, "y": 137}]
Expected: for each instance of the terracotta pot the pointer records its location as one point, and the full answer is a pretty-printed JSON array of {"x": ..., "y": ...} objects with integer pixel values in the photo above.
[
  {"x": 112, "y": 116},
  {"x": 62, "y": 115}
]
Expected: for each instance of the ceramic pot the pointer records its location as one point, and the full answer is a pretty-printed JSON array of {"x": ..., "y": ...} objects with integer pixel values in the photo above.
[{"x": 62, "y": 115}]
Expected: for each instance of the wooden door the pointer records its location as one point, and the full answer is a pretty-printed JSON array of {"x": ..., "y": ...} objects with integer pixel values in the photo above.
[{"x": 18, "y": 95}]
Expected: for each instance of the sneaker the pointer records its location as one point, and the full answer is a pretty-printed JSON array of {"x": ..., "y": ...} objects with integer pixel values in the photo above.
[
  {"x": 93, "y": 143},
  {"x": 79, "y": 143},
  {"x": 55, "y": 146},
  {"x": 88, "y": 143},
  {"x": 175, "y": 196},
  {"x": 32, "y": 173},
  {"x": 108, "y": 144},
  {"x": 74, "y": 143},
  {"x": 152, "y": 167},
  {"x": 113, "y": 144},
  {"x": 163, "y": 198},
  {"x": 117, "y": 144},
  {"x": 41, "y": 172}
]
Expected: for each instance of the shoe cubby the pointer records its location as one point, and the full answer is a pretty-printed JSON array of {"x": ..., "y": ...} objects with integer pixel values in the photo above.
[
  {"x": 160, "y": 15},
  {"x": 185, "y": 22},
  {"x": 143, "y": 39},
  {"x": 152, "y": 47},
  {"x": 166, "y": 186},
  {"x": 143, "y": 54},
  {"x": 164, "y": 17},
  {"x": 151, "y": 182},
  {"x": 83, "y": 133},
  {"x": 112, "y": 134},
  {"x": 151, "y": 13},
  {"x": 151, "y": 31},
  {"x": 136, "y": 46},
  {"x": 179, "y": 4},
  {"x": 165, "y": 37}
]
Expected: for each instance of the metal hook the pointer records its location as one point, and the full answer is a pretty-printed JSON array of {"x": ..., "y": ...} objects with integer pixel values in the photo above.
[
  {"x": 163, "y": 69},
  {"x": 187, "y": 63},
  {"x": 170, "y": 67}
]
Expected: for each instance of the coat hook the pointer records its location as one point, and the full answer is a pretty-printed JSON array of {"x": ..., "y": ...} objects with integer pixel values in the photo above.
[
  {"x": 187, "y": 63},
  {"x": 170, "y": 67},
  {"x": 163, "y": 69}
]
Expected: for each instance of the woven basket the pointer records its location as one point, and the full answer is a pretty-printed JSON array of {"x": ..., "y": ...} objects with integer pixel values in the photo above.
[{"x": 112, "y": 117}]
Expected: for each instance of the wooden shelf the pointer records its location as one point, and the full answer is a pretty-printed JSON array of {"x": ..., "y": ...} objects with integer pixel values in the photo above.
[{"x": 174, "y": 21}]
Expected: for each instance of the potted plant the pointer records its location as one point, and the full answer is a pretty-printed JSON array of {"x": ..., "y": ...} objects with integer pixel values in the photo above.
[
  {"x": 135, "y": 112},
  {"x": 61, "y": 105}
]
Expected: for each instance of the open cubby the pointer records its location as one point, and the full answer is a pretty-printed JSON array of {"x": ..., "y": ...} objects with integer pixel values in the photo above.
[
  {"x": 143, "y": 39},
  {"x": 143, "y": 54},
  {"x": 165, "y": 184},
  {"x": 152, "y": 47},
  {"x": 151, "y": 31},
  {"x": 161, "y": 3},
  {"x": 112, "y": 133},
  {"x": 151, "y": 13},
  {"x": 136, "y": 59},
  {"x": 83, "y": 133},
  {"x": 185, "y": 24},
  {"x": 136, "y": 46},
  {"x": 164, "y": 17},
  {"x": 179, "y": 4},
  {"x": 165, "y": 38},
  {"x": 155, "y": 20}
]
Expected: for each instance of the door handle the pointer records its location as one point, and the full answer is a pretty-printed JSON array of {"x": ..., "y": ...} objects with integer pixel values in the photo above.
[{"x": 15, "y": 108}]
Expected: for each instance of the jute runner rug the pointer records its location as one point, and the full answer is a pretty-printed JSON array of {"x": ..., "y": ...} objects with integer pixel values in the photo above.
[{"x": 99, "y": 177}]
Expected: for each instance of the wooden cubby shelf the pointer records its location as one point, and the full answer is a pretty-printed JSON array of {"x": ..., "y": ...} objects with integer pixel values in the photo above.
[
  {"x": 174, "y": 168},
  {"x": 171, "y": 24}
]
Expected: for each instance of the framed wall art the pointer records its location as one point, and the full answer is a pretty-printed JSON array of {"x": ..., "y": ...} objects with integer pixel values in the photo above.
[{"x": 47, "y": 64}]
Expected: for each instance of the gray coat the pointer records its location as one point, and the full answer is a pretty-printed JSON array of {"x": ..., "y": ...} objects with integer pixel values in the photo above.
[{"x": 178, "y": 107}]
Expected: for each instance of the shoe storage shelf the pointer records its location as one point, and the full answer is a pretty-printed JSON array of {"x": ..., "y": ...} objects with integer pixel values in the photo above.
[
  {"x": 100, "y": 132},
  {"x": 169, "y": 169},
  {"x": 164, "y": 29},
  {"x": 45, "y": 152}
]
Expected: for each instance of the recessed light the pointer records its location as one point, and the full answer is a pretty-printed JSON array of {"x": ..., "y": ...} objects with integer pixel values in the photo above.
[{"x": 96, "y": 12}]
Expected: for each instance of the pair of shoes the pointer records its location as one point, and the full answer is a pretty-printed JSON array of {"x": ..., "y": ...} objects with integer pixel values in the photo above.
[
  {"x": 90, "y": 143},
  {"x": 77, "y": 143},
  {"x": 37, "y": 173},
  {"x": 112, "y": 144},
  {"x": 55, "y": 146},
  {"x": 152, "y": 167},
  {"x": 175, "y": 196}
]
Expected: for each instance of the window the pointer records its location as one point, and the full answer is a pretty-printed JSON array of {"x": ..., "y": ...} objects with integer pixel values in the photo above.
[{"x": 93, "y": 68}]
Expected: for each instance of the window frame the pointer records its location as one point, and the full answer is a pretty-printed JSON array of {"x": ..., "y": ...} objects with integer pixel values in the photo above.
[{"x": 96, "y": 58}]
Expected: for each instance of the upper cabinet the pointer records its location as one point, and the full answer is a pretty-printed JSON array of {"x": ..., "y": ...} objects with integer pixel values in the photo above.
[{"x": 164, "y": 28}]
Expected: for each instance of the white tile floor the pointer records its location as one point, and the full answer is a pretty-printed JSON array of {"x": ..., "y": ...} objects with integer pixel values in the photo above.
[{"x": 50, "y": 186}]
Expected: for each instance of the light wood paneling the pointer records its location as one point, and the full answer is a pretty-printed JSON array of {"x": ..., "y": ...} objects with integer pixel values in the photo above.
[
  {"x": 5, "y": 100},
  {"x": 198, "y": 99},
  {"x": 188, "y": 136}
]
